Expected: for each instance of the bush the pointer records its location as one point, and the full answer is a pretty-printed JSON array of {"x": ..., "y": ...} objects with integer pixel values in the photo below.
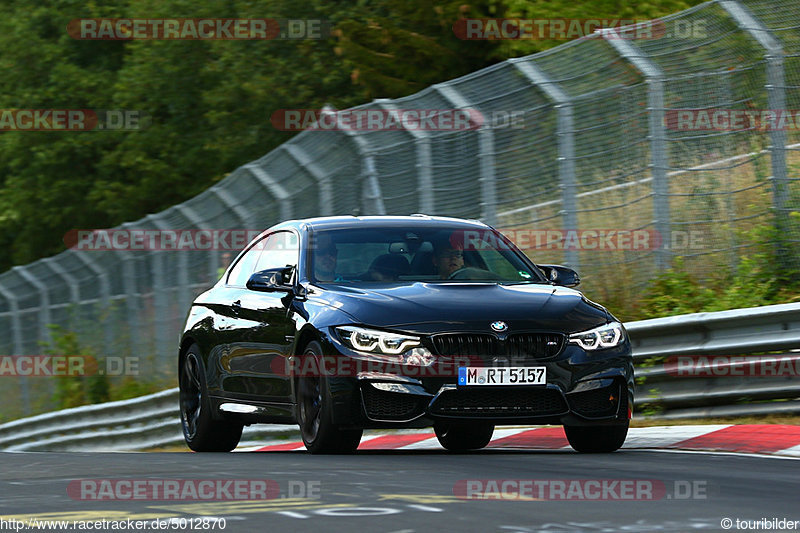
[
  {"x": 72, "y": 391},
  {"x": 764, "y": 275}
]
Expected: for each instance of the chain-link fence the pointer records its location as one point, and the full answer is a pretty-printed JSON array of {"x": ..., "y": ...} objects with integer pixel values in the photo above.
[{"x": 613, "y": 139}]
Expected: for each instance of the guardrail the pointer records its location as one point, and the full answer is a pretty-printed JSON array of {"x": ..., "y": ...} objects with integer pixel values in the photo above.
[
  {"x": 739, "y": 332},
  {"x": 153, "y": 421},
  {"x": 147, "y": 422}
]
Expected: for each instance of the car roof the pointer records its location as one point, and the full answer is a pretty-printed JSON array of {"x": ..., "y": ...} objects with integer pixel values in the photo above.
[
  {"x": 341, "y": 222},
  {"x": 374, "y": 221}
]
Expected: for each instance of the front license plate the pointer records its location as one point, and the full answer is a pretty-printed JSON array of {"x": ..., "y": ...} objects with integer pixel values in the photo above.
[{"x": 503, "y": 375}]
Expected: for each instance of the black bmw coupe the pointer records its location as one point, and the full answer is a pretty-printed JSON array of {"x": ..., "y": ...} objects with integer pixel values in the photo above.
[{"x": 341, "y": 324}]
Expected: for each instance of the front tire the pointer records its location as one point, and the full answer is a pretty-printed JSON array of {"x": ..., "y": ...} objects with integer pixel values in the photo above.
[
  {"x": 200, "y": 431},
  {"x": 460, "y": 436},
  {"x": 314, "y": 413},
  {"x": 597, "y": 439}
]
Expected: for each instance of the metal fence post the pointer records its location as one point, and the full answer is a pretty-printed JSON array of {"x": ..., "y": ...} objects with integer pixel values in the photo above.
[
  {"x": 776, "y": 100},
  {"x": 132, "y": 309},
  {"x": 44, "y": 302},
  {"x": 488, "y": 177},
  {"x": 196, "y": 222},
  {"x": 427, "y": 196},
  {"x": 71, "y": 282},
  {"x": 241, "y": 213},
  {"x": 566, "y": 148},
  {"x": 486, "y": 153},
  {"x": 226, "y": 198},
  {"x": 275, "y": 189},
  {"x": 371, "y": 196},
  {"x": 424, "y": 164},
  {"x": 658, "y": 137},
  {"x": 323, "y": 180},
  {"x": 105, "y": 297},
  {"x": 51, "y": 264},
  {"x": 16, "y": 334},
  {"x": 160, "y": 297}
]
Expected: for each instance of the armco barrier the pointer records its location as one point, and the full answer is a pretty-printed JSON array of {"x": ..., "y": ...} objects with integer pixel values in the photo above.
[
  {"x": 140, "y": 423},
  {"x": 769, "y": 329},
  {"x": 153, "y": 420}
]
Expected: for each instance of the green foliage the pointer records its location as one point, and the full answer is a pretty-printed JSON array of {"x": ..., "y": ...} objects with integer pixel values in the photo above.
[
  {"x": 94, "y": 386},
  {"x": 210, "y": 104},
  {"x": 98, "y": 389},
  {"x": 676, "y": 292},
  {"x": 595, "y": 9},
  {"x": 764, "y": 275},
  {"x": 72, "y": 391},
  {"x": 132, "y": 388},
  {"x": 397, "y": 47},
  {"x": 650, "y": 409}
]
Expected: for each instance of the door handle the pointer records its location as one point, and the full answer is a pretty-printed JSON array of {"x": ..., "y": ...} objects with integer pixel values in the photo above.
[{"x": 236, "y": 306}]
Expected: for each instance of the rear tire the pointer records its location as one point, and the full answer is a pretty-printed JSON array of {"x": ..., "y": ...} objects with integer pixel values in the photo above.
[
  {"x": 597, "y": 439},
  {"x": 314, "y": 413},
  {"x": 461, "y": 436},
  {"x": 200, "y": 431}
]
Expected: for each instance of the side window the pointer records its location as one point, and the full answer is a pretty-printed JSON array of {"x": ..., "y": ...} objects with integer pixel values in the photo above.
[
  {"x": 278, "y": 250},
  {"x": 246, "y": 265}
]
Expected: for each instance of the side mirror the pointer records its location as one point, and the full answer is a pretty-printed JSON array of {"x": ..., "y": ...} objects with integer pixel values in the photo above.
[
  {"x": 271, "y": 280},
  {"x": 561, "y": 275}
]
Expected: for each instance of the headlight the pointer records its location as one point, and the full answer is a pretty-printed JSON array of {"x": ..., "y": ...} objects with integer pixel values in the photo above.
[
  {"x": 407, "y": 348},
  {"x": 370, "y": 340},
  {"x": 607, "y": 336}
]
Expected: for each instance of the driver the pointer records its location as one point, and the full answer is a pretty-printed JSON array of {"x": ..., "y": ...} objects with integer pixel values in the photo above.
[
  {"x": 447, "y": 258},
  {"x": 325, "y": 254}
]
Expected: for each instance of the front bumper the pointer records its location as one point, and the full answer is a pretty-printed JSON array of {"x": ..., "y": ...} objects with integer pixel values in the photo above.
[
  {"x": 608, "y": 400},
  {"x": 581, "y": 389}
]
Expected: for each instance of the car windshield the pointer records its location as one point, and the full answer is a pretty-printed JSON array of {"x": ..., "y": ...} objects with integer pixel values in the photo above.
[{"x": 400, "y": 255}]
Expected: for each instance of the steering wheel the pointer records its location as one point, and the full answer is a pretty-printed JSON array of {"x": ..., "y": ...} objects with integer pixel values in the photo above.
[
  {"x": 475, "y": 274},
  {"x": 461, "y": 273}
]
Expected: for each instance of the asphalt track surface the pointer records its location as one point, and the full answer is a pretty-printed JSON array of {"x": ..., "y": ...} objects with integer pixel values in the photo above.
[{"x": 413, "y": 490}]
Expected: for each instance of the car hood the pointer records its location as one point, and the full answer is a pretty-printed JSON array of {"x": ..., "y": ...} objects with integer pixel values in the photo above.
[{"x": 426, "y": 308}]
